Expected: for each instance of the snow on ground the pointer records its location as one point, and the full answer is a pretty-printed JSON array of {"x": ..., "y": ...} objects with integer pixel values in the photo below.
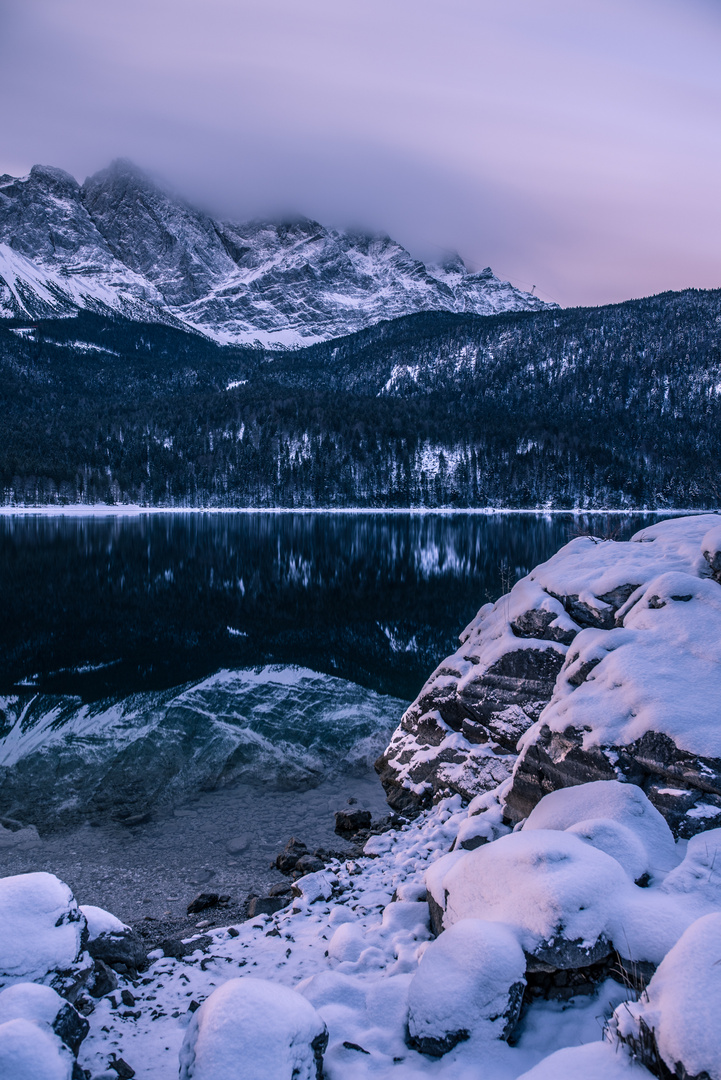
[
  {"x": 354, "y": 954},
  {"x": 351, "y": 945}
]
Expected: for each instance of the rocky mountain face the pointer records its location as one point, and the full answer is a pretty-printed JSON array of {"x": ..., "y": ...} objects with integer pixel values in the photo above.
[
  {"x": 602, "y": 664},
  {"x": 120, "y": 243}
]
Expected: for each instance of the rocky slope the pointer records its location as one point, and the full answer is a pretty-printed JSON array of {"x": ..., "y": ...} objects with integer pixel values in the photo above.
[
  {"x": 120, "y": 243},
  {"x": 602, "y": 664}
]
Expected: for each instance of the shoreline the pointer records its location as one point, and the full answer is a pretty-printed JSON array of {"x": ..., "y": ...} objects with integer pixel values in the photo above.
[{"x": 105, "y": 510}]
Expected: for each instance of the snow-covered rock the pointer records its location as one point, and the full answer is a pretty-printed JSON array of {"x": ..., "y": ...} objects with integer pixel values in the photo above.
[
  {"x": 120, "y": 243},
  {"x": 675, "y": 1022},
  {"x": 595, "y": 1061},
  {"x": 112, "y": 942},
  {"x": 42, "y": 934},
  {"x": 554, "y": 892},
  {"x": 639, "y": 702},
  {"x": 470, "y": 981},
  {"x": 256, "y": 1029},
  {"x": 30, "y": 1052},
  {"x": 44, "y": 1006},
  {"x": 616, "y": 818},
  {"x": 696, "y": 881}
]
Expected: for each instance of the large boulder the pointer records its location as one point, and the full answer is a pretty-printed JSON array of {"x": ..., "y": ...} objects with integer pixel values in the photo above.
[
  {"x": 42, "y": 934},
  {"x": 470, "y": 982},
  {"x": 462, "y": 729},
  {"x": 552, "y": 890},
  {"x": 638, "y": 703},
  {"x": 673, "y": 1028},
  {"x": 613, "y": 817},
  {"x": 461, "y": 732},
  {"x": 256, "y": 1029}
]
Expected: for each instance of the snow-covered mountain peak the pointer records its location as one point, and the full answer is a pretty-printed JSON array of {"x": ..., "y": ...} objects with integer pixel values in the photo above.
[{"x": 121, "y": 242}]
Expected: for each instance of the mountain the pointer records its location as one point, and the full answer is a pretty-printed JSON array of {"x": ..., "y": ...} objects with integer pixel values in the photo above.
[
  {"x": 119, "y": 243},
  {"x": 617, "y": 407}
]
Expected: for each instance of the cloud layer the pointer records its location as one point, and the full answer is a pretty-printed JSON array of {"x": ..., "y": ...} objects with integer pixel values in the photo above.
[{"x": 570, "y": 144}]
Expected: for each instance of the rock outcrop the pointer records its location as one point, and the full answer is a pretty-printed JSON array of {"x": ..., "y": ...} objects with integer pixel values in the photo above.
[{"x": 604, "y": 663}]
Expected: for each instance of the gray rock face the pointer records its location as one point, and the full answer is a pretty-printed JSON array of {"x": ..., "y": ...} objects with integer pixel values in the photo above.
[
  {"x": 676, "y": 782},
  {"x": 120, "y": 242}
]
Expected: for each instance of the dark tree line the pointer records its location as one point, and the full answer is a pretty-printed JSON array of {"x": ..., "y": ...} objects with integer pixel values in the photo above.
[{"x": 616, "y": 406}]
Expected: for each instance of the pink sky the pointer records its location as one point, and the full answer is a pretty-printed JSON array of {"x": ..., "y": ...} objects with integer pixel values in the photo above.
[{"x": 570, "y": 144}]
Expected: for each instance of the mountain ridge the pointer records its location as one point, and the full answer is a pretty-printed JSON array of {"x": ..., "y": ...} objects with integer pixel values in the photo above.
[{"x": 120, "y": 243}]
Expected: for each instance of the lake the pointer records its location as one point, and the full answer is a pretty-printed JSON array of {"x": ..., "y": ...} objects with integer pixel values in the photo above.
[{"x": 223, "y": 680}]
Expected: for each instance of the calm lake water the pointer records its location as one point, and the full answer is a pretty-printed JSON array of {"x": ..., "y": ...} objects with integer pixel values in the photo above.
[
  {"x": 94, "y": 606},
  {"x": 229, "y": 677}
]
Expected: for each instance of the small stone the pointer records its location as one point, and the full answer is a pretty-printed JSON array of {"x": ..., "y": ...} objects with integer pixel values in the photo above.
[
  {"x": 355, "y": 1046},
  {"x": 237, "y": 845},
  {"x": 308, "y": 864},
  {"x": 174, "y": 947},
  {"x": 202, "y": 924},
  {"x": 103, "y": 980},
  {"x": 124, "y": 1071},
  {"x": 127, "y": 998},
  {"x": 266, "y": 905},
  {"x": 233, "y": 932},
  {"x": 194, "y": 1006},
  {"x": 135, "y": 819},
  {"x": 121, "y": 950},
  {"x": 349, "y": 821},
  {"x": 292, "y": 851},
  {"x": 283, "y": 888},
  {"x": 202, "y": 901}
]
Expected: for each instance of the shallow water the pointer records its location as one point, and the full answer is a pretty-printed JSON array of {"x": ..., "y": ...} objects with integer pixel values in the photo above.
[{"x": 226, "y": 676}]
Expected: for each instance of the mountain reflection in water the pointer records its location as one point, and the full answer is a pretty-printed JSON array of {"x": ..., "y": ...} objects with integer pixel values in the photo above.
[{"x": 116, "y": 605}]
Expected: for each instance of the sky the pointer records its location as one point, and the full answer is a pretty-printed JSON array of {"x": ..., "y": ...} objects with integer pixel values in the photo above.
[{"x": 574, "y": 145}]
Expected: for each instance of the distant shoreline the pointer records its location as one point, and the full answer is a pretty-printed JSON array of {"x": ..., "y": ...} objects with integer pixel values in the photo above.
[{"x": 104, "y": 510}]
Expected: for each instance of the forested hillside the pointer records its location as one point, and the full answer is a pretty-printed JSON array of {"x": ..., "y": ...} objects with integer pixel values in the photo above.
[{"x": 615, "y": 407}]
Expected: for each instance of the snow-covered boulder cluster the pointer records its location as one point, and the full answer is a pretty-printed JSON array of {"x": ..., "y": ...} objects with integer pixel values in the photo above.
[
  {"x": 588, "y": 924},
  {"x": 603, "y": 663},
  {"x": 592, "y": 874}
]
